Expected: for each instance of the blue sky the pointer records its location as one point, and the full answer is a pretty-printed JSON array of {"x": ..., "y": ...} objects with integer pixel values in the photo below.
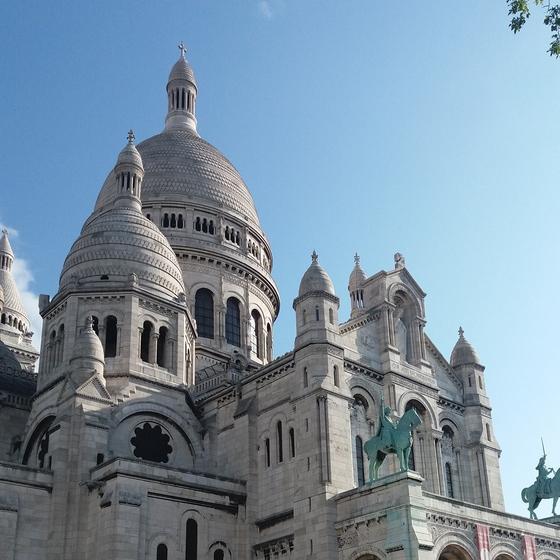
[{"x": 426, "y": 128}]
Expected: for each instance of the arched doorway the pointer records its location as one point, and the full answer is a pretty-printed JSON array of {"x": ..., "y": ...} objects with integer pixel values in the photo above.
[{"x": 454, "y": 552}]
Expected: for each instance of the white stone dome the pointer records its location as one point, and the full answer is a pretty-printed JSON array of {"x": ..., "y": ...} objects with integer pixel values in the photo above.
[
  {"x": 182, "y": 70},
  {"x": 316, "y": 279},
  {"x": 87, "y": 345},
  {"x": 357, "y": 276},
  {"x": 120, "y": 245},
  {"x": 181, "y": 167},
  {"x": 463, "y": 353}
]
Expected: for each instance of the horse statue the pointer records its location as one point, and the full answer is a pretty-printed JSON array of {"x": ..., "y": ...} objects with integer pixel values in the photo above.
[
  {"x": 391, "y": 438},
  {"x": 544, "y": 488}
]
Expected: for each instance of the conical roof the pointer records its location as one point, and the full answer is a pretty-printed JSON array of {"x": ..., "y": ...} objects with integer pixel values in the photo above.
[
  {"x": 316, "y": 279},
  {"x": 182, "y": 70},
  {"x": 463, "y": 353},
  {"x": 12, "y": 299},
  {"x": 357, "y": 276}
]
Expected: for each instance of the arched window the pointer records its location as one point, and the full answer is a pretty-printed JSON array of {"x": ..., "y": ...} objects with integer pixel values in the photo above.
[
  {"x": 205, "y": 225},
  {"x": 110, "y": 336},
  {"x": 149, "y": 216},
  {"x": 268, "y": 342},
  {"x": 336, "y": 380},
  {"x": 204, "y": 313},
  {"x": 237, "y": 240},
  {"x": 3, "y": 320},
  {"x": 147, "y": 330},
  {"x": 331, "y": 316},
  {"x": 173, "y": 221},
  {"x": 316, "y": 313},
  {"x": 95, "y": 324},
  {"x": 211, "y": 227},
  {"x": 180, "y": 221},
  {"x": 161, "y": 552},
  {"x": 360, "y": 460},
  {"x": 227, "y": 233},
  {"x": 304, "y": 316},
  {"x": 233, "y": 322},
  {"x": 279, "y": 443},
  {"x": 292, "y": 443},
  {"x": 449, "y": 480},
  {"x": 165, "y": 222},
  {"x": 192, "y": 540},
  {"x": 305, "y": 377},
  {"x": 256, "y": 337},
  {"x": 162, "y": 347},
  {"x": 219, "y": 554},
  {"x": 267, "y": 452}
]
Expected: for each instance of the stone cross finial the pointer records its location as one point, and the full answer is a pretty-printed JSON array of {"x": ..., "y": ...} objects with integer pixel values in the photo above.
[
  {"x": 130, "y": 137},
  {"x": 461, "y": 332},
  {"x": 182, "y": 48},
  {"x": 314, "y": 257},
  {"x": 357, "y": 259}
]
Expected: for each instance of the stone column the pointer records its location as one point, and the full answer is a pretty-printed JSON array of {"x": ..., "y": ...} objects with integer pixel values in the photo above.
[
  {"x": 140, "y": 331},
  {"x": 152, "y": 356},
  {"x": 118, "y": 343},
  {"x": 323, "y": 423},
  {"x": 170, "y": 359}
]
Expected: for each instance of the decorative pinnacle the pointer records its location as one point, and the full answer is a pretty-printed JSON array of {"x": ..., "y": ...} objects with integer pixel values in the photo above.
[
  {"x": 130, "y": 137},
  {"x": 461, "y": 332},
  {"x": 357, "y": 259},
  {"x": 5, "y": 232},
  {"x": 314, "y": 257},
  {"x": 182, "y": 48}
]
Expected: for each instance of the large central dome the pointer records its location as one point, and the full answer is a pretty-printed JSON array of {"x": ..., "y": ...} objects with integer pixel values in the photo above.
[{"x": 180, "y": 166}]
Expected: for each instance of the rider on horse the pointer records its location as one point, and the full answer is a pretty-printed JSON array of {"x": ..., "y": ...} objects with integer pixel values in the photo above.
[
  {"x": 387, "y": 426},
  {"x": 543, "y": 482}
]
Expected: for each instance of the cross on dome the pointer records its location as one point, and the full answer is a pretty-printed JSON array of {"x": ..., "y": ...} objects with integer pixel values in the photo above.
[
  {"x": 314, "y": 257},
  {"x": 130, "y": 137},
  {"x": 461, "y": 332},
  {"x": 5, "y": 231},
  {"x": 357, "y": 259},
  {"x": 182, "y": 49}
]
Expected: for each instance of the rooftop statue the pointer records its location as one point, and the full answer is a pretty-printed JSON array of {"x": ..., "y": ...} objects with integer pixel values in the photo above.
[
  {"x": 391, "y": 438},
  {"x": 544, "y": 488}
]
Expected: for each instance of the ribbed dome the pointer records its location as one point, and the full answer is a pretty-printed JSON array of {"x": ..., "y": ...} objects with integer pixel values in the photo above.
[
  {"x": 117, "y": 244},
  {"x": 182, "y": 71},
  {"x": 357, "y": 276},
  {"x": 316, "y": 279},
  {"x": 179, "y": 166},
  {"x": 463, "y": 353}
]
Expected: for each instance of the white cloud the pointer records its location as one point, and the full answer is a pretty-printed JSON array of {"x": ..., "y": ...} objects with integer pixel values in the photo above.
[
  {"x": 265, "y": 9},
  {"x": 30, "y": 300}
]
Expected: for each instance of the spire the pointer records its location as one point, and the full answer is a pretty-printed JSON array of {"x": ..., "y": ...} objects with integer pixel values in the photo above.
[
  {"x": 13, "y": 313},
  {"x": 181, "y": 94},
  {"x": 128, "y": 173},
  {"x": 355, "y": 282},
  {"x": 6, "y": 252}
]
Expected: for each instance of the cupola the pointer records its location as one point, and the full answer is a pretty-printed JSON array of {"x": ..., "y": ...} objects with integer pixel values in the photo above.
[
  {"x": 181, "y": 95},
  {"x": 315, "y": 279},
  {"x": 129, "y": 173},
  {"x": 463, "y": 353},
  {"x": 88, "y": 356},
  {"x": 355, "y": 287}
]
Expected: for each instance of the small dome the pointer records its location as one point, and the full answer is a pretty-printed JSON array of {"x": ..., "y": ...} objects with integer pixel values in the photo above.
[
  {"x": 316, "y": 279},
  {"x": 129, "y": 154},
  {"x": 182, "y": 71},
  {"x": 463, "y": 353},
  {"x": 357, "y": 276},
  {"x": 87, "y": 345}
]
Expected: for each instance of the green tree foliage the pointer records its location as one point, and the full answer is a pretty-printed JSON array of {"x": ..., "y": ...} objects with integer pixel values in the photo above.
[{"x": 520, "y": 10}]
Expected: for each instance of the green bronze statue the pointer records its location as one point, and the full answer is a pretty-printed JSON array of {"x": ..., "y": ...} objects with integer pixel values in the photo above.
[
  {"x": 544, "y": 488},
  {"x": 391, "y": 438}
]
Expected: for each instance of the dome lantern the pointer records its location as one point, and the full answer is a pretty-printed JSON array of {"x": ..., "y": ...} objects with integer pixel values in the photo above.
[
  {"x": 181, "y": 94},
  {"x": 128, "y": 174}
]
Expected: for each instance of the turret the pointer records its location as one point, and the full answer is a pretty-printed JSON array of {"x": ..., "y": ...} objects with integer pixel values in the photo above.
[
  {"x": 87, "y": 354},
  {"x": 355, "y": 287},
  {"x": 129, "y": 173},
  {"x": 181, "y": 95},
  {"x": 316, "y": 306}
]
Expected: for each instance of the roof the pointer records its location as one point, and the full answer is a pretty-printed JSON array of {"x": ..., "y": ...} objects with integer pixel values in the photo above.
[{"x": 316, "y": 279}]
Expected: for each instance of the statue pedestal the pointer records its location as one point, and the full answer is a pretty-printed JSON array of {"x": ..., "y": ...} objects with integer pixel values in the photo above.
[{"x": 555, "y": 519}]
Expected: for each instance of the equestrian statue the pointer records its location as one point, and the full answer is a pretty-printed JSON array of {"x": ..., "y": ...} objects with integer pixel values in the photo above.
[
  {"x": 391, "y": 438},
  {"x": 543, "y": 488}
]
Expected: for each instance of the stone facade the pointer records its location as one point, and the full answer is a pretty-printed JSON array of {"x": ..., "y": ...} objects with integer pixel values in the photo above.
[{"x": 159, "y": 426}]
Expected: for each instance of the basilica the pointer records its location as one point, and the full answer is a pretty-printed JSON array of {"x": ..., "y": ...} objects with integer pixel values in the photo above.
[{"x": 158, "y": 423}]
